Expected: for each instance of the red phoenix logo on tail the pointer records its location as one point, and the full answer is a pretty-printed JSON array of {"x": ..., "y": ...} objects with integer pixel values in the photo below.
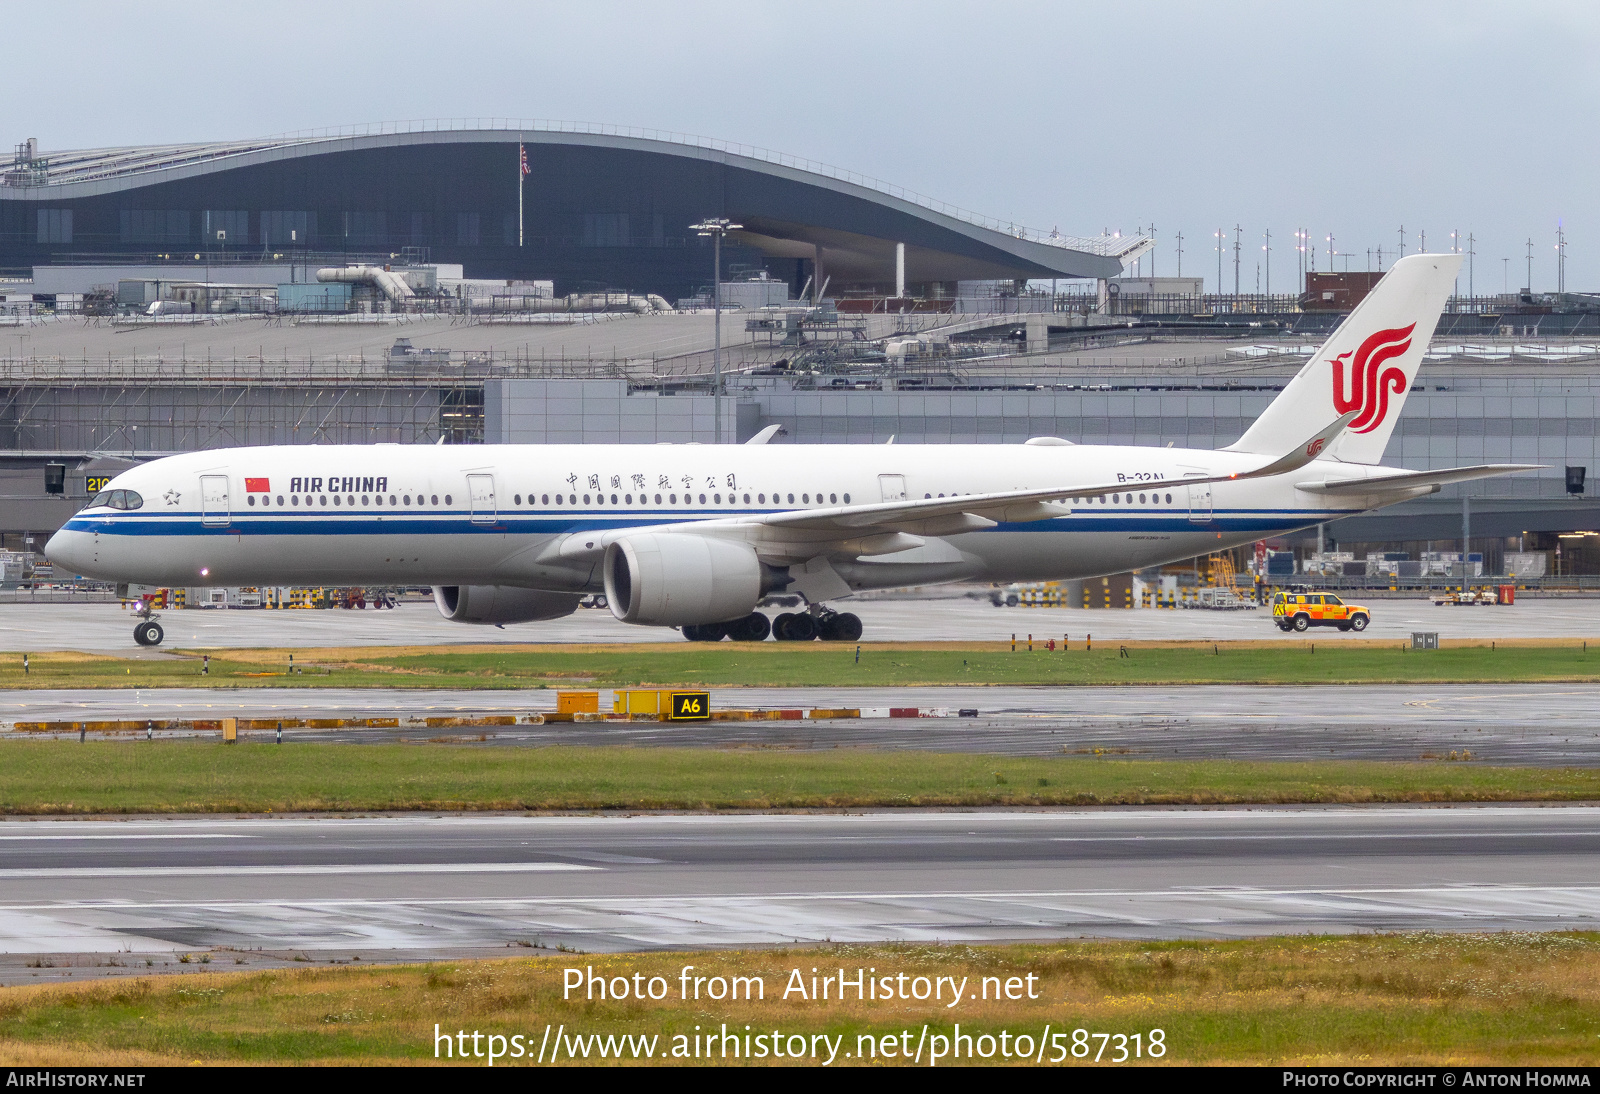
[{"x": 1370, "y": 383}]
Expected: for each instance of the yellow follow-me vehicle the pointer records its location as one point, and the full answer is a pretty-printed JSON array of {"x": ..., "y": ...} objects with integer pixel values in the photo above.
[{"x": 1299, "y": 611}]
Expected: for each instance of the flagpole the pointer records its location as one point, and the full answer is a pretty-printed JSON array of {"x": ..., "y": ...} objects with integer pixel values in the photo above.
[{"x": 522, "y": 160}]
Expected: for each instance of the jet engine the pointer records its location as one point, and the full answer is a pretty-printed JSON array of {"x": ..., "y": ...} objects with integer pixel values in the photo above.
[
  {"x": 673, "y": 579},
  {"x": 501, "y": 603}
]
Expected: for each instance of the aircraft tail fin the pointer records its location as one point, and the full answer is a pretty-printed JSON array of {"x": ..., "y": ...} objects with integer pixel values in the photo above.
[{"x": 1366, "y": 366}]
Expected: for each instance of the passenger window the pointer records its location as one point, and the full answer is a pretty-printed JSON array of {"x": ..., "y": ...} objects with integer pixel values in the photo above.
[
  {"x": 847, "y": 499},
  {"x": 791, "y": 499},
  {"x": 544, "y": 499},
  {"x": 702, "y": 499},
  {"x": 335, "y": 499},
  {"x": 1334, "y": 600},
  {"x": 805, "y": 499},
  {"x": 363, "y": 500}
]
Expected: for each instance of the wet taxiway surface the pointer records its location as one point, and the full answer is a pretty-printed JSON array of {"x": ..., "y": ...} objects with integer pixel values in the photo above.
[
  {"x": 1530, "y": 724},
  {"x": 269, "y": 890},
  {"x": 107, "y": 628}
]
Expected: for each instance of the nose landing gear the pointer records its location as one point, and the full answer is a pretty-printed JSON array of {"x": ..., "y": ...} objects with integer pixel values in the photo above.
[{"x": 147, "y": 632}]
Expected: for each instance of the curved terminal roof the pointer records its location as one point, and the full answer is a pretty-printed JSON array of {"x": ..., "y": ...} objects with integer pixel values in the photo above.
[{"x": 991, "y": 247}]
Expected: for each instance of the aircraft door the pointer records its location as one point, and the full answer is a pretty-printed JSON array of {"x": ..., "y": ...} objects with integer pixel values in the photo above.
[
  {"x": 893, "y": 487},
  {"x": 214, "y": 499},
  {"x": 1199, "y": 502},
  {"x": 481, "y": 489}
]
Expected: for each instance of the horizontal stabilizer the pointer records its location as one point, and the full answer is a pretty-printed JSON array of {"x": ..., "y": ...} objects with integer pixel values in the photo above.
[{"x": 1410, "y": 480}]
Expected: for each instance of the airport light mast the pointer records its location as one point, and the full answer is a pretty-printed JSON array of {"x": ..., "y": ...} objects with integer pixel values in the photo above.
[{"x": 716, "y": 228}]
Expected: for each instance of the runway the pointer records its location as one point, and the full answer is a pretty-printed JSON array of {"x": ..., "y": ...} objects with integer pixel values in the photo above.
[
  {"x": 107, "y": 628},
  {"x": 1526, "y": 724},
  {"x": 265, "y": 891}
]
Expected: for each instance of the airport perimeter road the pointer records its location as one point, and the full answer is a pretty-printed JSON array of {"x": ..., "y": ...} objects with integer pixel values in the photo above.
[
  {"x": 1532, "y": 724},
  {"x": 407, "y": 887},
  {"x": 108, "y": 628}
]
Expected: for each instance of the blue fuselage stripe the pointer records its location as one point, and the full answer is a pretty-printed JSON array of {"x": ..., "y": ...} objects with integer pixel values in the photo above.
[{"x": 559, "y": 523}]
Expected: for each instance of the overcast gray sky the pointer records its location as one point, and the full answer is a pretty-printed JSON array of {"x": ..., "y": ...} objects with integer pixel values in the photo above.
[{"x": 1349, "y": 118}]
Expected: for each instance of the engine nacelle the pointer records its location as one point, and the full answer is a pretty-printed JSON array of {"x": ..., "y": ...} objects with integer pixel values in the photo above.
[
  {"x": 501, "y": 603},
  {"x": 670, "y": 580}
]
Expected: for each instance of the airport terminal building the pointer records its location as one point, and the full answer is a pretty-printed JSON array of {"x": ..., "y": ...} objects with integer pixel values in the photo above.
[{"x": 591, "y": 208}]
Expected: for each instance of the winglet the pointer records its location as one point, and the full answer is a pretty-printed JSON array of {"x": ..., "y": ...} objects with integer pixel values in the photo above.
[
  {"x": 1296, "y": 458},
  {"x": 766, "y": 434}
]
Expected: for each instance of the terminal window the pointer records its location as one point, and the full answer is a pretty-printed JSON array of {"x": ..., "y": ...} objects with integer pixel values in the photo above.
[
  {"x": 225, "y": 226},
  {"x": 155, "y": 225},
  {"x": 55, "y": 226},
  {"x": 287, "y": 226},
  {"x": 605, "y": 229},
  {"x": 469, "y": 229}
]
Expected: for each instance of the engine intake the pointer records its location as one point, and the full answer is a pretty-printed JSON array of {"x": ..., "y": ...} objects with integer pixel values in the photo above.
[
  {"x": 670, "y": 580},
  {"x": 501, "y": 603}
]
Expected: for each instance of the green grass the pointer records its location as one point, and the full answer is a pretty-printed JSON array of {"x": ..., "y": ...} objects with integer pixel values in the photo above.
[
  {"x": 774, "y": 665},
  {"x": 1528, "y": 999},
  {"x": 65, "y": 777}
]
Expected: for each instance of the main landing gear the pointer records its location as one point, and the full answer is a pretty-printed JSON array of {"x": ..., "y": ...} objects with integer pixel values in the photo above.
[{"x": 826, "y": 624}]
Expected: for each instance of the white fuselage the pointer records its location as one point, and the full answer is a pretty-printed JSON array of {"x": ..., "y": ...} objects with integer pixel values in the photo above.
[{"x": 496, "y": 514}]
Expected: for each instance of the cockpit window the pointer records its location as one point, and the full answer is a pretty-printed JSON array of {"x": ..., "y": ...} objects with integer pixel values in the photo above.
[{"x": 117, "y": 499}]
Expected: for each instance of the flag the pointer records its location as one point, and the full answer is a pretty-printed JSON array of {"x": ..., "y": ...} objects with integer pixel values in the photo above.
[
  {"x": 256, "y": 486},
  {"x": 522, "y": 153}
]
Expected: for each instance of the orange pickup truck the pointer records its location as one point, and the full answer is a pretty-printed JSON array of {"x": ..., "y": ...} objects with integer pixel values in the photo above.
[{"x": 1299, "y": 611}]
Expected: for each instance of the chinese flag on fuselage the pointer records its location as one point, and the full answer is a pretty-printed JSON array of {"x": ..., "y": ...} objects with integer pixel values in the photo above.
[{"x": 256, "y": 486}]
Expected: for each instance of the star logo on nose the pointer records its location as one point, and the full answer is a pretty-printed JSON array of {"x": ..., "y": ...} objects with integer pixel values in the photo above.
[{"x": 172, "y": 497}]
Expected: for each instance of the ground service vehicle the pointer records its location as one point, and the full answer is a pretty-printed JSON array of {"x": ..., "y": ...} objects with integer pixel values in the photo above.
[{"x": 1301, "y": 611}]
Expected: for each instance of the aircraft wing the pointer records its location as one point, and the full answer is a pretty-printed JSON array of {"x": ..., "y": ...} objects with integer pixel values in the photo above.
[
  {"x": 1410, "y": 480},
  {"x": 970, "y": 512},
  {"x": 890, "y": 526}
]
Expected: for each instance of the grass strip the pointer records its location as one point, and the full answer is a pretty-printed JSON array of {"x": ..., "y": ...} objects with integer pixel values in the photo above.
[
  {"x": 1523, "y": 999},
  {"x": 65, "y": 777},
  {"x": 771, "y": 664}
]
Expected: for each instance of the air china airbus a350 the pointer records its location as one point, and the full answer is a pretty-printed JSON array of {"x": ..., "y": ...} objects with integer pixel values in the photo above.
[{"x": 693, "y": 536}]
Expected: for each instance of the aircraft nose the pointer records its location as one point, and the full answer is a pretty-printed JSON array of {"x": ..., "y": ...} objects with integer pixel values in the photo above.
[{"x": 66, "y": 549}]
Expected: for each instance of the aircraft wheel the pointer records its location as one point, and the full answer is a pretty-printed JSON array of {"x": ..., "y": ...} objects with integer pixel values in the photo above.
[
  {"x": 1302, "y": 622},
  {"x": 752, "y": 628},
  {"x": 792, "y": 627},
  {"x": 703, "y": 632},
  {"x": 148, "y": 634},
  {"x": 1359, "y": 622},
  {"x": 1344, "y": 626},
  {"x": 844, "y": 627}
]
